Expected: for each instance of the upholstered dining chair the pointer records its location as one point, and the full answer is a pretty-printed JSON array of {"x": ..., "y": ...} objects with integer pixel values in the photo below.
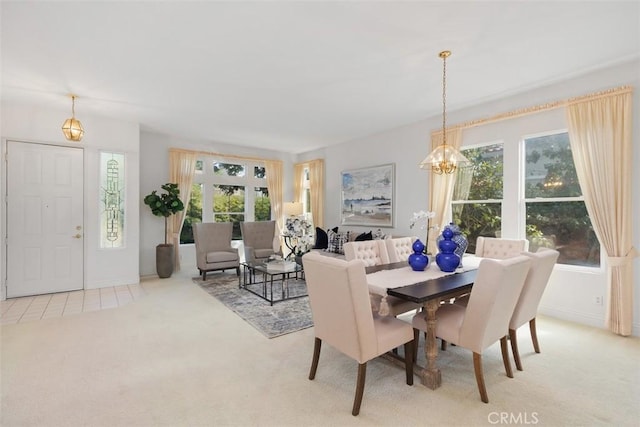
[
  {"x": 342, "y": 317},
  {"x": 485, "y": 319},
  {"x": 258, "y": 239},
  {"x": 498, "y": 248},
  {"x": 399, "y": 248},
  {"x": 542, "y": 263},
  {"x": 213, "y": 247},
  {"x": 374, "y": 252}
]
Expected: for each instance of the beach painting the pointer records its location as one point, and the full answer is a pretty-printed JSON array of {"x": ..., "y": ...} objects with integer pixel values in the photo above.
[{"x": 368, "y": 195}]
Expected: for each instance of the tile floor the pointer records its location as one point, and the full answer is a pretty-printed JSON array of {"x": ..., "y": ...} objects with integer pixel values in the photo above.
[{"x": 27, "y": 309}]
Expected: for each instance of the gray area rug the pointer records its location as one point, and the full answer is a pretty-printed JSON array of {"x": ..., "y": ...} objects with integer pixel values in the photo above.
[{"x": 282, "y": 318}]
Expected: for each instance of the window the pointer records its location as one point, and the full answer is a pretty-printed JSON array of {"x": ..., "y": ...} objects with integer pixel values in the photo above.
[
  {"x": 306, "y": 192},
  {"x": 555, "y": 212},
  {"x": 477, "y": 195},
  {"x": 222, "y": 193}
]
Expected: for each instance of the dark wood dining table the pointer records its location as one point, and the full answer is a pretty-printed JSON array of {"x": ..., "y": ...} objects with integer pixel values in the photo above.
[{"x": 430, "y": 294}]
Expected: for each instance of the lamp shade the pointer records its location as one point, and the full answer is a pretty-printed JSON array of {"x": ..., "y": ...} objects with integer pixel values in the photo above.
[
  {"x": 444, "y": 159},
  {"x": 72, "y": 129},
  {"x": 293, "y": 208}
]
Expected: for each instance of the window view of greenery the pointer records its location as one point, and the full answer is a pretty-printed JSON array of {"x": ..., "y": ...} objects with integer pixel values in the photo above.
[
  {"x": 192, "y": 215},
  {"x": 477, "y": 196},
  {"x": 228, "y": 206},
  {"x": 262, "y": 210},
  {"x": 218, "y": 194},
  {"x": 556, "y": 216}
]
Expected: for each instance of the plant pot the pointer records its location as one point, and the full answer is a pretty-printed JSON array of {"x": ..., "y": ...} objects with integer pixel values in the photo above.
[{"x": 164, "y": 260}]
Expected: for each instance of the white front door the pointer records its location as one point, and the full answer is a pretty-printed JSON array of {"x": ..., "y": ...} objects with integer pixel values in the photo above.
[{"x": 45, "y": 227}]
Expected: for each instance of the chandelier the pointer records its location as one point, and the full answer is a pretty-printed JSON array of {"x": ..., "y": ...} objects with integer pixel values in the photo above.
[{"x": 444, "y": 159}]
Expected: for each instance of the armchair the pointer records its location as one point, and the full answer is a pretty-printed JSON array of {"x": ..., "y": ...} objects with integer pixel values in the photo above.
[
  {"x": 213, "y": 247},
  {"x": 258, "y": 238}
]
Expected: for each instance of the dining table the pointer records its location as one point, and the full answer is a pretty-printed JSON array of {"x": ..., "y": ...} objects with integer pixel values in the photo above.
[{"x": 429, "y": 288}]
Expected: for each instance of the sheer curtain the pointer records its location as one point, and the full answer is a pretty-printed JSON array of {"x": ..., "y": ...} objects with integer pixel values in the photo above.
[
  {"x": 182, "y": 165},
  {"x": 600, "y": 135},
  {"x": 316, "y": 182},
  {"x": 298, "y": 179},
  {"x": 441, "y": 188},
  {"x": 274, "y": 185}
]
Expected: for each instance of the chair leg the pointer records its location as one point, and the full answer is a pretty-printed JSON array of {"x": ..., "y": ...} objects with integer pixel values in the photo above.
[
  {"x": 316, "y": 357},
  {"x": 534, "y": 335},
  {"x": 362, "y": 374},
  {"x": 416, "y": 340},
  {"x": 505, "y": 356},
  {"x": 477, "y": 366},
  {"x": 514, "y": 348},
  {"x": 204, "y": 275},
  {"x": 443, "y": 345},
  {"x": 238, "y": 271},
  {"x": 408, "y": 361}
]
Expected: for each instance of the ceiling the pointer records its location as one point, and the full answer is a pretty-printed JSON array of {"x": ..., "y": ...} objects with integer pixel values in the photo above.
[{"x": 295, "y": 76}]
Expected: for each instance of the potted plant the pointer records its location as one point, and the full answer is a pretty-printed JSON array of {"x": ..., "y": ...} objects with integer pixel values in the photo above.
[{"x": 165, "y": 205}]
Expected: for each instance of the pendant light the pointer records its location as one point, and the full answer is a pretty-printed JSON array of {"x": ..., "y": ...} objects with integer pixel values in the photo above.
[
  {"x": 444, "y": 159},
  {"x": 72, "y": 128}
]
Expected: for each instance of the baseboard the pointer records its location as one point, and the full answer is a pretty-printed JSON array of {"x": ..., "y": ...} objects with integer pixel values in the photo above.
[{"x": 583, "y": 319}]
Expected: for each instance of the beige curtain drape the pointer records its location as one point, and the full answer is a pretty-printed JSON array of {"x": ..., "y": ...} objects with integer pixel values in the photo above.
[
  {"x": 182, "y": 165},
  {"x": 600, "y": 135},
  {"x": 316, "y": 182},
  {"x": 298, "y": 180},
  {"x": 275, "y": 187},
  {"x": 441, "y": 188}
]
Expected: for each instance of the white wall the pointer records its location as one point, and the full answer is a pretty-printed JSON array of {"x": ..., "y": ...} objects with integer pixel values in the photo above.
[
  {"x": 570, "y": 294},
  {"x": 36, "y": 124},
  {"x": 154, "y": 170}
]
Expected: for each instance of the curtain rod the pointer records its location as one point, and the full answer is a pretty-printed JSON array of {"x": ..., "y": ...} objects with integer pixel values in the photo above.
[
  {"x": 538, "y": 108},
  {"x": 225, "y": 156}
]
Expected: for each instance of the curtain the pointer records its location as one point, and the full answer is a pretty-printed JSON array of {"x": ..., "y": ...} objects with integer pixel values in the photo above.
[
  {"x": 298, "y": 179},
  {"x": 275, "y": 187},
  {"x": 441, "y": 188},
  {"x": 182, "y": 165},
  {"x": 316, "y": 182},
  {"x": 600, "y": 135}
]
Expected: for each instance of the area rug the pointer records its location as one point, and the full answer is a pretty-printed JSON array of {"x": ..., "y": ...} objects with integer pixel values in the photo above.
[{"x": 272, "y": 321}]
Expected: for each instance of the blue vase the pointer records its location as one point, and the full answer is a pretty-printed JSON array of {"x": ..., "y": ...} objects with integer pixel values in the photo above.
[
  {"x": 460, "y": 239},
  {"x": 447, "y": 259},
  {"x": 418, "y": 260}
]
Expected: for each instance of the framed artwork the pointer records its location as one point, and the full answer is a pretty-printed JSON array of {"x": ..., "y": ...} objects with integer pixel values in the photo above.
[{"x": 368, "y": 196}]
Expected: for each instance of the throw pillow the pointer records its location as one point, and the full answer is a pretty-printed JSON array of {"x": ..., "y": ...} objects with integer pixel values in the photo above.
[
  {"x": 322, "y": 240},
  {"x": 364, "y": 236},
  {"x": 337, "y": 241}
]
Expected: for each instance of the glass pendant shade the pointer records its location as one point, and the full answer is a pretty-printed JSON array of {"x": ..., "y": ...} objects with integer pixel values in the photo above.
[
  {"x": 72, "y": 129},
  {"x": 444, "y": 159}
]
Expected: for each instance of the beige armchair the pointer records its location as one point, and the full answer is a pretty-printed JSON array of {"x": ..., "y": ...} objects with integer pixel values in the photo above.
[
  {"x": 258, "y": 238},
  {"x": 485, "y": 319},
  {"x": 542, "y": 263},
  {"x": 497, "y": 248},
  {"x": 342, "y": 317},
  {"x": 213, "y": 247},
  {"x": 374, "y": 252}
]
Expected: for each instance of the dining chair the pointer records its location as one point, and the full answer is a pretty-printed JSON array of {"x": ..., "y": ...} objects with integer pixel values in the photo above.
[
  {"x": 342, "y": 317},
  {"x": 485, "y": 319},
  {"x": 498, "y": 248},
  {"x": 399, "y": 248},
  {"x": 213, "y": 247},
  {"x": 542, "y": 263},
  {"x": 374, "y": 252}
]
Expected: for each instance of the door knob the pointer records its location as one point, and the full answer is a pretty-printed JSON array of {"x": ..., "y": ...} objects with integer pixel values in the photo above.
[{"x": 77, "y": 236}]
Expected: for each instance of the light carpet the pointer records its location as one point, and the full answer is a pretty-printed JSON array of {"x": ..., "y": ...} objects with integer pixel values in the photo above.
[{"x": 281, "y": 318}]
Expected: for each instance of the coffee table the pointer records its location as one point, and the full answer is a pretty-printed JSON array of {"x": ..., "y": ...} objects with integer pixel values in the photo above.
[{"x": 269, "y": 274}]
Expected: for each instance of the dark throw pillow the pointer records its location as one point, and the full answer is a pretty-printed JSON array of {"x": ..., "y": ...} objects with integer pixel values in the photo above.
[
  {"x": 322, "y": 240},
  {"x": 364, "y": 236}
]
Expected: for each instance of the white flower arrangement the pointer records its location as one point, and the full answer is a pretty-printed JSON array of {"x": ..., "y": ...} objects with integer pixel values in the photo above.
[
  {"x": 424, "y": 219},
  {"x": 300, "y": 229}
]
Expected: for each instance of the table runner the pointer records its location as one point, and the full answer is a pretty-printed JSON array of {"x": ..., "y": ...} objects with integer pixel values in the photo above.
[{"x": 382, "y": 280}]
